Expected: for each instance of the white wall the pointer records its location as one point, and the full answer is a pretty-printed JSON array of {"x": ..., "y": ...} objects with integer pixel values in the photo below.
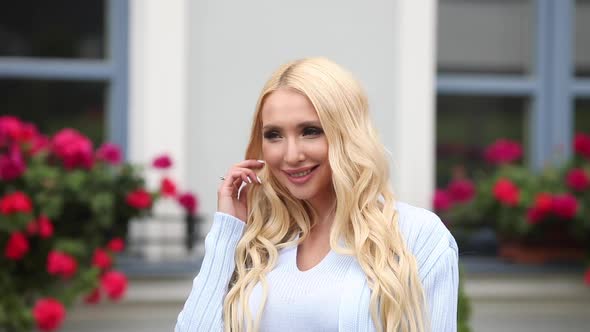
[
  {"x": 235, "y": 45},
  {"x": 197, "y": 68}
]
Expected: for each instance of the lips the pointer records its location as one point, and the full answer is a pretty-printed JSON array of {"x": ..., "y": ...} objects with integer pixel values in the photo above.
[{"x": 300, "y": 175}]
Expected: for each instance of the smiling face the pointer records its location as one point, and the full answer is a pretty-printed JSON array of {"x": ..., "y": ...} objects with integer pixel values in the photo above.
[{"x": 294, "y": 145}]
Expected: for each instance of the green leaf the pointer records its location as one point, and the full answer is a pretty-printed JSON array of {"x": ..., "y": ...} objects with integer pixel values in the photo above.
[{"x": 73, "y": 247}]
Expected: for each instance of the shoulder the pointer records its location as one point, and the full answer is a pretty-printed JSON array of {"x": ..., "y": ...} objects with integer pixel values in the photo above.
[{"x": 425, "y": 235}]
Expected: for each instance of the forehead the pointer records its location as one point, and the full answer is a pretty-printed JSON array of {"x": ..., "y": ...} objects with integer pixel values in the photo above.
[{"x": 285, "y": 106}]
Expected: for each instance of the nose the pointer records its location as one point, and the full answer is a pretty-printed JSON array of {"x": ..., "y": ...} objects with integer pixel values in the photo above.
[{"x": 294, "y": 153}]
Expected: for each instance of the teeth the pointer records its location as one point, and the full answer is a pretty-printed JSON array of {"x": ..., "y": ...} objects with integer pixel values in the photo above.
[{"x": 300, "y": 174}]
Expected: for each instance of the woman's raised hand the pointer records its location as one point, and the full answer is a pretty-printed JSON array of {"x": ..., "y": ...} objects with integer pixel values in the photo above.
[{"x": 227, "y": 194}]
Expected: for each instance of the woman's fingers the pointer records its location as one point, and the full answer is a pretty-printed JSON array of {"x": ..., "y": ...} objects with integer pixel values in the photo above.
[{"x": 238, "y": 174}]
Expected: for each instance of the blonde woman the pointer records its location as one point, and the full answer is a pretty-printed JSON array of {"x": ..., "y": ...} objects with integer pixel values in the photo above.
[{"x": 308, "y": 235}]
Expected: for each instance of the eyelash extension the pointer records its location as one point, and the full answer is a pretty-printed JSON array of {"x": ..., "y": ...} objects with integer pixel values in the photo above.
[
  {"x": 313, "y": 131},
  {"x": 270, "y": 134}
]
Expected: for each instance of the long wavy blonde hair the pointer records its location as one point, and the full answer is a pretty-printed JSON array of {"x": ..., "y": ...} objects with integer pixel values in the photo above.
[{"x": 365, "y": 217}]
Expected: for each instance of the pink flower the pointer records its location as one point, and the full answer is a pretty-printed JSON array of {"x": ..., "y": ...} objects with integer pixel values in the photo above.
[
  {"x": 506, "y": 192},
  {"x": 503, "y": 151},
  {"x": 16, "y": 202},
  {"x": 139, "y": 199},
  {"x": 167, "y": 187},
  {"x": 116, "y": 245},
  {"x": 101, "y": 259},
  {"x": 38, "y": 144},
  {"x": 16, "y": 247},
  {"x": 582, "y": 145},
  {"x": 12, "y": 165},
  {"x": 93, "y": 297},
  {"x": 114, "y": 284},
  {"x": 10, "y": 129},
  {"x": 109, "y": 153},
  {"x": 442, "y": 200},
  {"x": 461, "y": 190},
  {"x": 189, "y": 202},
  {"x": 61, "y": 264},
  {"x": 162, "y": 162},
  {"x": 49, "y": 313},
  {"x": 565, "y": 206},
  {"x": 73, "y": 149},
  {"x": 577, "y": 179}
]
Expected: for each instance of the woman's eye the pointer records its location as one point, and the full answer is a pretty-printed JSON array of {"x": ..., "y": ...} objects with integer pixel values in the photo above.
[
  {"x": 312, "y": 131},
  {"x": 271, "y": 134}
]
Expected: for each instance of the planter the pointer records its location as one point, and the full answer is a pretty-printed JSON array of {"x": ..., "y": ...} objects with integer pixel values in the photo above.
[{"x": 518, "y": 252}]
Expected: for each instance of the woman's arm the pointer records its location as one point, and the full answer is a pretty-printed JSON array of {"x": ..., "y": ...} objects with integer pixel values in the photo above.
[
  {"x": 203, "y": 309},
  {"x": 441, "y": 286}
]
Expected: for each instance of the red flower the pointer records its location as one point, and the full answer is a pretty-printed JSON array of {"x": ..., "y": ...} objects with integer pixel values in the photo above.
[
  {"x": 565, "y": 206},
  {"x": 116, "y": 245},
  {"x": 544, "y": 203},
  {"x": 189, "y": 202},
  {"x": 577, "y": 179},
  {"x": 15, "y": 202},
  {"x": 442, "y": 200},
  {"x": 49, "y": 314},
  {"x": 73, "y": 149},
  {"x": 93, "y": 297},
  {"x": 139, "y": 199},
  {"x": 61, "y": 264},
  {"x": 12, "y": 165},
  {"x": 587, "y": 277},
  {"x": 162, "y": 162},
  {"x": 461, "y": 190},
  {"x": 534, "y": 216},
  {"x": 114, "y": 284},
  {"x": 32, "y": 228},
  {"x": 582, "y": 145},
  {"x": 109, "y": 153},
  {"x": 506, "y": 192},
  {"x": 167, "y": 187},
  {"x": 503, "y": 151},
  {"x": 45, "y": 227},
  {"x": 17, "y": 246},
  {"x": 101, "y": 259}
]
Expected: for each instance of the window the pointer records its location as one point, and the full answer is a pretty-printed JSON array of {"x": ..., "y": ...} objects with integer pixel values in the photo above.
[{"x": 64, "y": 64}]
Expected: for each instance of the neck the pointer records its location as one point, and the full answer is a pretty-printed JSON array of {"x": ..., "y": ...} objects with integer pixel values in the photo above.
[{"x": 324, "y": 206}]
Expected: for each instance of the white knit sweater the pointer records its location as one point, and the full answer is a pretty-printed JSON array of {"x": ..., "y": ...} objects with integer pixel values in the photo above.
[{"x": 298, "y": 303}]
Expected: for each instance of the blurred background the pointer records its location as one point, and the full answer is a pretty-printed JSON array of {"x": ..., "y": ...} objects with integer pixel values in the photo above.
[{"x": 445, "y": 79}]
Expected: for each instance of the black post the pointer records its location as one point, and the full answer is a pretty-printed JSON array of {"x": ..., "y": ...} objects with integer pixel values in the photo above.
[{"x": 189, "y": 219}]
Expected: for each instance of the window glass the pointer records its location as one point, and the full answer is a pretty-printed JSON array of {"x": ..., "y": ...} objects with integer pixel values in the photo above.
[
  {"x": 581, "y": 44},
  {"x": 466, "y": 125},
  {"x": 582, "y": 116},
  {"x": 53, "y": 105},
  {"x": 485, "y": 36},
  {"x": 60, "y": 28}
]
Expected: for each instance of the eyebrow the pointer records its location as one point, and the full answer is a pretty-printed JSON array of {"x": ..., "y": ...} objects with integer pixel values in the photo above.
[{"x": 299, "y": 126}]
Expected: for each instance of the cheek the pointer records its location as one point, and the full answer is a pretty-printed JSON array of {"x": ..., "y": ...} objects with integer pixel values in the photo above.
[{"x": 272, "y": 154}]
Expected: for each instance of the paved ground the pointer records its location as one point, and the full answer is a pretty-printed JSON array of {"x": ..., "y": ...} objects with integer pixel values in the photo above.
[{"x": 549, "y": 303}]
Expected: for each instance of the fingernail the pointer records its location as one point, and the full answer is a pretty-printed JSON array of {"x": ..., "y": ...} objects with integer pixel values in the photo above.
[
  {"x": 259, "y": 181},
  {"x": 249, "y": 179},
  {"x": 261, "y": 161}
]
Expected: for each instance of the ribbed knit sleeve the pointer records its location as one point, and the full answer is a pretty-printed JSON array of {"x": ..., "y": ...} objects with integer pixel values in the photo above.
[
  {"x": 441, "y": 285},
  {"x": 203, "y": 309},
  {"x": 436, "y": 255}
]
